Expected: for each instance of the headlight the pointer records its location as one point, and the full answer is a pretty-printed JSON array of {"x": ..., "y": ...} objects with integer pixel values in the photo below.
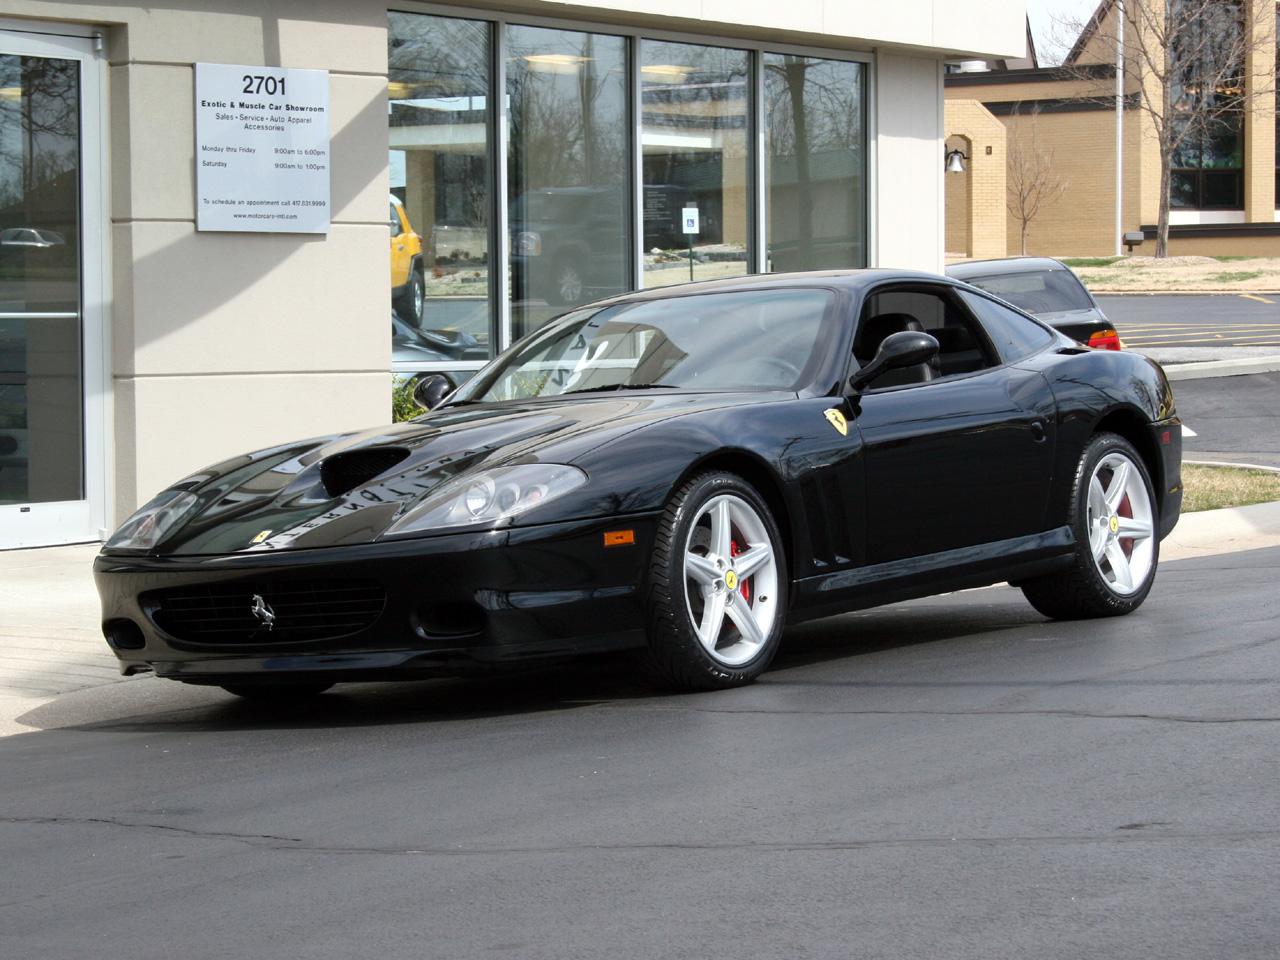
[
  {"x": 489, "y": 497},
  {"x": 145, "y": 528}
]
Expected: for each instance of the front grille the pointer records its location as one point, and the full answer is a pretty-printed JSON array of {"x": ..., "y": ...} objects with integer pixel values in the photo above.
[{"x": 223, "y": 613}]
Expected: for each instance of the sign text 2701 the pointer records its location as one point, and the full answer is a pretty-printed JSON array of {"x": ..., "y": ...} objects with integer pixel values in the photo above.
[{"x": 257, "y": 83}]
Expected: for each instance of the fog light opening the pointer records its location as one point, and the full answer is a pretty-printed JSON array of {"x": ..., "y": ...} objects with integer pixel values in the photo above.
[
  {"x": 435, "y": 621},
  {"x": 124, "y": 635}
]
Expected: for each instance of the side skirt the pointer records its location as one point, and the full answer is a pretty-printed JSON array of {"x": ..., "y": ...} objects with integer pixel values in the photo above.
[{"x": 1016, "y": 559}]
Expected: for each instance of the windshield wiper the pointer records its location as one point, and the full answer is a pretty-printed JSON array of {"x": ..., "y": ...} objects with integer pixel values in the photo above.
[{"x": 623, "y": 386}]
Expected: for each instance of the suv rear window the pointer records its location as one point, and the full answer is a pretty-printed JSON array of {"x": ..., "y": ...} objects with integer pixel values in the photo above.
[{"x": 1042, "y": 291}]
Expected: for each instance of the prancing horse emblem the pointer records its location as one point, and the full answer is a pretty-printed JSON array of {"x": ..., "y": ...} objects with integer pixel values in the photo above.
[{"x": 262, "y": 610}]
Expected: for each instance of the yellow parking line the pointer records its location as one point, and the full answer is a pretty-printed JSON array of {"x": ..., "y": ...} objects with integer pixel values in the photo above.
[{"x": 1251, "y": 296}]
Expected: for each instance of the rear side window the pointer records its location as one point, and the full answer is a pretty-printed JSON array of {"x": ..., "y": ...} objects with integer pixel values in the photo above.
[{"x": 1014, "y": 335}]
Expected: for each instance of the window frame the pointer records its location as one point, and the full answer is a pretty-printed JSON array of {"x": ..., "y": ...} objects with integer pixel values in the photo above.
[
  {"x": 499, "y": 226},
  {"x": 943, "y": 290},
  {"x": 981, "y": 294}
]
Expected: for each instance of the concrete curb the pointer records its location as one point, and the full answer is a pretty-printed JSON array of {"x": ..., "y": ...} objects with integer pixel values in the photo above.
[
  {"x": 1204, "y": 370},
  {"x": 1228, "y": 463},
  {"x": 1230, "y": 530},
  {"x": 1207, "y": 292}
]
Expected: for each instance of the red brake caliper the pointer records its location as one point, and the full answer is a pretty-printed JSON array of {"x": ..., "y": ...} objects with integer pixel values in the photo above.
[
  {"x": 1126, "y": 510},
  {"x": 744, "y": 586}
]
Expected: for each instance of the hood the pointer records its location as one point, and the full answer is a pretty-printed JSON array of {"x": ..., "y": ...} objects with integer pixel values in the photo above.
[{"x": 348, "y": 489}]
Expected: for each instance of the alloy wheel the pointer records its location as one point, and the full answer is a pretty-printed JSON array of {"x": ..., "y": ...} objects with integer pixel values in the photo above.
[
  {"x": 731, "y": 579},
  {"x": 1120, "y": 524}
]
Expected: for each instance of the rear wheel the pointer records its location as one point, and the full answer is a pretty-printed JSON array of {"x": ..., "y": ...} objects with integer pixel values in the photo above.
[
  {"x": 1113, "y": 515},
  {"x": 412, "y": 305},
  {"x": 716, "y": 591},
  {"x": 280, "y": 692}
]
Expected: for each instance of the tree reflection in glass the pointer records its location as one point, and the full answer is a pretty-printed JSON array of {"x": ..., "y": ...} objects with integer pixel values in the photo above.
[{"x": 567, "y": 171}]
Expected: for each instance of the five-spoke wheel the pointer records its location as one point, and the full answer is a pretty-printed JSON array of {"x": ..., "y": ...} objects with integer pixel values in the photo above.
[
  {"x": 1112, "y": 513},
  {"x": 1120, "y": 523},
  {"x": 731, "y": 579},
  {"x": 717, "y": 585}
]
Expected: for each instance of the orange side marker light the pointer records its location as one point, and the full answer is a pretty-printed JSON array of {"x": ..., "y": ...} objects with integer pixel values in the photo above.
[{"x": 619, "y": 538}]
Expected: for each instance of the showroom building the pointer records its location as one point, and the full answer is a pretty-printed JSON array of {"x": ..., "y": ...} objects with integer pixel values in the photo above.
[{"x": 189, "y": 271}]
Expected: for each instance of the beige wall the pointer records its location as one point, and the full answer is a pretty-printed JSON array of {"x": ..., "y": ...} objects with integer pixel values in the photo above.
[
  {"x": 975, "y": 212},
  {"x": 909, "y": 197}
]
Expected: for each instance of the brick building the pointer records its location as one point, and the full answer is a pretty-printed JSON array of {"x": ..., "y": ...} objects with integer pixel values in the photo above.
[{"x": 1224, "y": 200}]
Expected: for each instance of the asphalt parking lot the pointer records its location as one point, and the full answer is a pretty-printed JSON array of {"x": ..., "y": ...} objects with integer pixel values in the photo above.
[
  {"x": 1235, "y": 419},
  {"x": 1148, "y": 321},
  {"x": 954, "y": 778}
]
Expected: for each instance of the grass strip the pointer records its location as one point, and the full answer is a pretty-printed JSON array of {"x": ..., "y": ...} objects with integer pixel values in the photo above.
[{"x": 1212, "y": 488}]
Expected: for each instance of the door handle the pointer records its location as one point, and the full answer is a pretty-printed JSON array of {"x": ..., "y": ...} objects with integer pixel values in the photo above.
[{"x": 1037, "y": 430}]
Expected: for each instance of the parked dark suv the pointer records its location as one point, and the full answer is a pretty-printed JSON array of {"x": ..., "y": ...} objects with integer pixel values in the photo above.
[{"x": 1046, "y": 289}]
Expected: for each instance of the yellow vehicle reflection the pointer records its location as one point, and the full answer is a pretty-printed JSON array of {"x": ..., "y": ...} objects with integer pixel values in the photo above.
[{"x": 408, "y": 282}]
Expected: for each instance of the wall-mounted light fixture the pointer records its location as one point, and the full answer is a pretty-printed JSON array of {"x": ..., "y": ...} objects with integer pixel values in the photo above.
[{"x": 954, "y": 161}]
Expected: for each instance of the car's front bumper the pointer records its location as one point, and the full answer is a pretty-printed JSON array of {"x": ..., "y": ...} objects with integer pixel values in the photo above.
[{"x": 511, "y": 595}]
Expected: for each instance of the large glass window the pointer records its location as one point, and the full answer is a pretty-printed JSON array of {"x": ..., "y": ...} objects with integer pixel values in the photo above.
[
  {"x": 41, "y": 434},
  {"x": 567, "y": 171},
  {"x": 695, "y": 140},
  {"x": 1207, "y": 167},
  {"x": 584, "y": 180},
  {"x": 815, "y": 121},
  {"x": 438, "y": 92}
]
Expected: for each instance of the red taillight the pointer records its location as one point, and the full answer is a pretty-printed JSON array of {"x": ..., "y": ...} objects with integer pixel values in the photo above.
[{"x": 1105, "y": 340}]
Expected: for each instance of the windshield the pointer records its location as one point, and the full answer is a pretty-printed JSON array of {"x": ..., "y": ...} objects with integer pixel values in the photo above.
[
  {"x": 748, "y": 340},
  {"x": 1043, "y": 291}
]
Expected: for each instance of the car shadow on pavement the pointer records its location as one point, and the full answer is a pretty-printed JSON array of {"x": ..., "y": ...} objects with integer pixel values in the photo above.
[{"x": 147, "y": 704}]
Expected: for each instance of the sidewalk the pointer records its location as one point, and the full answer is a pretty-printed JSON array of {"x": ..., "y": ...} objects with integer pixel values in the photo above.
[
  {"x": 51, "y": 643},
  {"x": 1199, "y": 363},
  {"x": 50, "y": 639}
]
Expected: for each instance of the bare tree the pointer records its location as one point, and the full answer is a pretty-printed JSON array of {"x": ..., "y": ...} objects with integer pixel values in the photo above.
[
  {"x": 1033, "y": 182},
  {"x": 1190, "y": 60}
]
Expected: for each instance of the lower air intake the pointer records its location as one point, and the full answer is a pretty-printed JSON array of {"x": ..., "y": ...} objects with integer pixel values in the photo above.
[{"x": 288, "y": 611}]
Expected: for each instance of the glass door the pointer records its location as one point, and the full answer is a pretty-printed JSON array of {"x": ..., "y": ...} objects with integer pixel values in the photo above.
[{"x": 51, "y": 470}]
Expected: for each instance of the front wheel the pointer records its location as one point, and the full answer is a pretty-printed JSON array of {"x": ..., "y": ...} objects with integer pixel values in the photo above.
[
  {"x": 717, "y": 586},
  {"x": 1113, "y": 516}
]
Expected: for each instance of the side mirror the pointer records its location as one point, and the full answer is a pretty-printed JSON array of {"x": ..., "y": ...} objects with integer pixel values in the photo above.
[
  {"x": 429, "y": 392},
  {"x": 903, "y": 349}
]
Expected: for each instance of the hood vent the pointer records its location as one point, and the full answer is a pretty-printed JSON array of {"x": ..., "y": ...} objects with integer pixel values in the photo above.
[{"x": 346, "y": 471}]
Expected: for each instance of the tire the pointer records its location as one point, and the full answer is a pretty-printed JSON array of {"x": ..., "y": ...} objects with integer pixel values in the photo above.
[
  {"x": 412, "y": 305},
  {"x": 1108, "y": 577},
  {"x": 281, "y": 692},
  {"x": 682, "y": 610}
]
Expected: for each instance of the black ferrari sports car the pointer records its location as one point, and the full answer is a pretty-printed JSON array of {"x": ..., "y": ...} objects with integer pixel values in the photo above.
[{"x": 682, "y": 471}]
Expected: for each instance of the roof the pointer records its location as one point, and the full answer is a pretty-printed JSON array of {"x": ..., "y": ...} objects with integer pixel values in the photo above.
[
  {"x": 855, "y": 280},
  {"x": 983, "y": 268},
  {"x": 1086, "y": 34}
]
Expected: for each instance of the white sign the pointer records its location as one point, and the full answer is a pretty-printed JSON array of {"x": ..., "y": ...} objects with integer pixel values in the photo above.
[
  {"x": 689, "y": 218},
  {"x": 262, "y": 149}
]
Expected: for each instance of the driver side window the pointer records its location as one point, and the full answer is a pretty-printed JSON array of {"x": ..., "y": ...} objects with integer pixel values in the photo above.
[{"x": 962, "y": 348}]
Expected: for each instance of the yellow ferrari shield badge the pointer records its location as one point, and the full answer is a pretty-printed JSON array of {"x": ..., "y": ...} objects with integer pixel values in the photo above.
[
  {"x": 731, "y": 580},
  {"x": 260, "y": 537},
  {"x": 837, "y": 420}
]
